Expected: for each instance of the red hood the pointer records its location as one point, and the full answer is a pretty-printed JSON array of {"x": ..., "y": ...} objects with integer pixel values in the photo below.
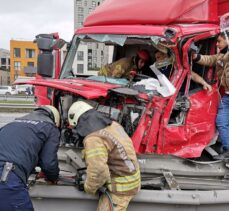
[{"x": 85, "y": 88}]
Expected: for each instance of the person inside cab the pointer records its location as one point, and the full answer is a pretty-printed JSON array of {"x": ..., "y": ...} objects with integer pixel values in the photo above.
[
  {"x": 164, "y": 63},
  {"x": 109, "y": 155},
  {"x": 123, "y": 67}
]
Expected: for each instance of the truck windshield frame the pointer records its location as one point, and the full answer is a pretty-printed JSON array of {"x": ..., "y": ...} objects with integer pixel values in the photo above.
[{"x": 108, "y": 40}]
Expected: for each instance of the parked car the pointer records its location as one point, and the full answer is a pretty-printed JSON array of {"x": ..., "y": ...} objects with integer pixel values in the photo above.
[
  {"x": 7, "y": 90},
  {"x": 24, "y": 89}
]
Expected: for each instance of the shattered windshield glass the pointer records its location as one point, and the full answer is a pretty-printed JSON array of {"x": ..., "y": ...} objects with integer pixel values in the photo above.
[{"x": 89, "y": 53}]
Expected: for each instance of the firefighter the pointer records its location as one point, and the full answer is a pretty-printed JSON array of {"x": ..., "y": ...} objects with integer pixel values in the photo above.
[
  {"x": 109, "y": 155},
  {"x": 221, "y": 61},
  {"x": 25, "y": 143},
  {"x": 123, "y": 67}
]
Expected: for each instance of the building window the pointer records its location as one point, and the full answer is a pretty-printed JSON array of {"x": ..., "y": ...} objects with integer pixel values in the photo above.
[
  {"x": 79, "y": 68},
  {"x": 85, "y": 3},
  {"x": 90, "y": 10},
  {"x": 80, "y": 18},
  {"x": 3, "y": 61},
  {"x": 30, "y": 53},
  {"x": 93, "y": 4},
  {"x": 17, "y": 66},
  {"x": 30, "y": 64},
  {"x": 78, "y": 3},
  {"x": 80, "y": 9},
  {"x": 80, "y": 55},
  {"x": 89, "y": 52},
  {"x": 17, "y": 52}
]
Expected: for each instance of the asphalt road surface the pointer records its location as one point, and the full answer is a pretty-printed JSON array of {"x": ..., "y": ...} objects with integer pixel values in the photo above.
[{"x": 8, "y": 117}]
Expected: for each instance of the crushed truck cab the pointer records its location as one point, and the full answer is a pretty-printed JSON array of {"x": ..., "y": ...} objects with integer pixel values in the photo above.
[{"x": 173, "y": 133}]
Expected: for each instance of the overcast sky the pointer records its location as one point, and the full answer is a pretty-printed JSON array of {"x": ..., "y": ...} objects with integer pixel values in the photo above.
[{"x": 24, "y": 19}]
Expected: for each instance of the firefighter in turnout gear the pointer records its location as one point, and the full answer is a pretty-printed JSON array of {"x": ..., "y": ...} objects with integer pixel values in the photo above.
[
  {"x": 25, "y": 143},
  {"x": 123, "y": 67},
  {"x": 109, "y": 155}
]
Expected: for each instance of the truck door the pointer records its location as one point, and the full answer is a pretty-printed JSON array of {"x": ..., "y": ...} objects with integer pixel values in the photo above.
[{"x": 190, "y": 126}]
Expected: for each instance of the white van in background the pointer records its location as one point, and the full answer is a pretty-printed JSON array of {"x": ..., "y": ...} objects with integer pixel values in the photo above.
[
  {"x": 8, "y": 90},
  {"x": 24, "y": 89}
]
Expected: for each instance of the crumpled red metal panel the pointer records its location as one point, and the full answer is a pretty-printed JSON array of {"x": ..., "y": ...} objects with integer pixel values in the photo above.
[
  {"x": 190, "y": 139},
  {"x": 119, "y": 12}
]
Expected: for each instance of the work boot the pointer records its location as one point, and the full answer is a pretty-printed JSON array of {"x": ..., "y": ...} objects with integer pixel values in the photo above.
[{"x": 223, "y": 156}]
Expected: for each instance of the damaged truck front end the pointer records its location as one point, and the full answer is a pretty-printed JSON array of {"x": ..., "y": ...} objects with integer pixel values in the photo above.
[
  {"x": 181, "y": 123},
  {"x": 171, "y": 121}
]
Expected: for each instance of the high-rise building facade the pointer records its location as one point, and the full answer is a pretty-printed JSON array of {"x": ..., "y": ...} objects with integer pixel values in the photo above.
[
  {"x": 23, "y": 58},
  {"x": 82, "y": 8},
  {"x": 90, "y": 57}
]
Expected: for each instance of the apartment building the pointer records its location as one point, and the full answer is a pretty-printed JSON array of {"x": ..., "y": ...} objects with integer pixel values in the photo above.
[
  {"x": 4, "y": 66},
  {"x": 23, "y": 57},
  {"x": 91, "y": 56}
]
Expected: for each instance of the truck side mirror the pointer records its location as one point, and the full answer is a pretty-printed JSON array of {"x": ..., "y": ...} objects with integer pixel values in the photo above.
[
  {"x": 47, "y": 43},
  {"x": 45, "y": 64}
]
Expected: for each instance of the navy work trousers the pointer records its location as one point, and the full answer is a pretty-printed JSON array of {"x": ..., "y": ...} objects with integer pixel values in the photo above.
[{"x": 14, "y": 195}]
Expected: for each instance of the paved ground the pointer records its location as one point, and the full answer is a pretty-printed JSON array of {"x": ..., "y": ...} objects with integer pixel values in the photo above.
[{"x": 8, "y": 117}]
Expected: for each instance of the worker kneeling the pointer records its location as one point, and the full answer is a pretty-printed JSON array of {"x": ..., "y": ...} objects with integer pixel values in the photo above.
[{"x": 109, "y": 155}]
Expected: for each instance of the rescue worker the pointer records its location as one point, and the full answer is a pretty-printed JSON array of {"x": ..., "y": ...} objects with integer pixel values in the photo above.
[
  {"x": 123, "y": 67},
  {"x": 165, "y": 64},
  {"x": 25, "y": 143},
  {"x": 221, "y": 61},
  {"x": 109, "y": 155}
]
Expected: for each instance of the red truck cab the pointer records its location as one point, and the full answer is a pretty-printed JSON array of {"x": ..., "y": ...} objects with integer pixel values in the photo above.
[{"x": 182, "y": 124}]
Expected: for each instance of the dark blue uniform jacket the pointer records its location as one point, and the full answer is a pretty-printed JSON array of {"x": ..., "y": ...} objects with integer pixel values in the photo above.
[{"x": 30, "y": 143}]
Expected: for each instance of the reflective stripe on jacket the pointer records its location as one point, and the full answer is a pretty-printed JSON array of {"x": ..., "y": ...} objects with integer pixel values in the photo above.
[{"x": 111, "y": 160}]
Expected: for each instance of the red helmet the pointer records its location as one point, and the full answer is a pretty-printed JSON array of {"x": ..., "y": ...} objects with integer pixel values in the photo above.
[{"x": 143, "y": 54}]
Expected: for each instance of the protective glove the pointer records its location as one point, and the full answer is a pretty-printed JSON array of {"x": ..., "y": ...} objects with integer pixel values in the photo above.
[
  {"x": 41, "y": 174},
  {"x": 101, "y": 190},
  {"x": 132, "y": 73},
  {"x": 81, "y": 178}
]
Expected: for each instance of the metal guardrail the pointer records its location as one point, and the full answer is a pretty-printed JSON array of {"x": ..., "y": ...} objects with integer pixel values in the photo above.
[
  {"x": 17, "y": 106},
  {"x": 16, "y": 98}
]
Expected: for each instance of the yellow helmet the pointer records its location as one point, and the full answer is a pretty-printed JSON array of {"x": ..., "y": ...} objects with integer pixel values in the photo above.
[
  {"x": 76, "y": 110},
  {"x": 54, "y": 114}
]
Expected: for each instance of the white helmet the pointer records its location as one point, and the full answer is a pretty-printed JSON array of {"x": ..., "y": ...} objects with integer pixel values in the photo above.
[
  {"x": 54, "y": 114},
  {"x": 76, "y": 110}
]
